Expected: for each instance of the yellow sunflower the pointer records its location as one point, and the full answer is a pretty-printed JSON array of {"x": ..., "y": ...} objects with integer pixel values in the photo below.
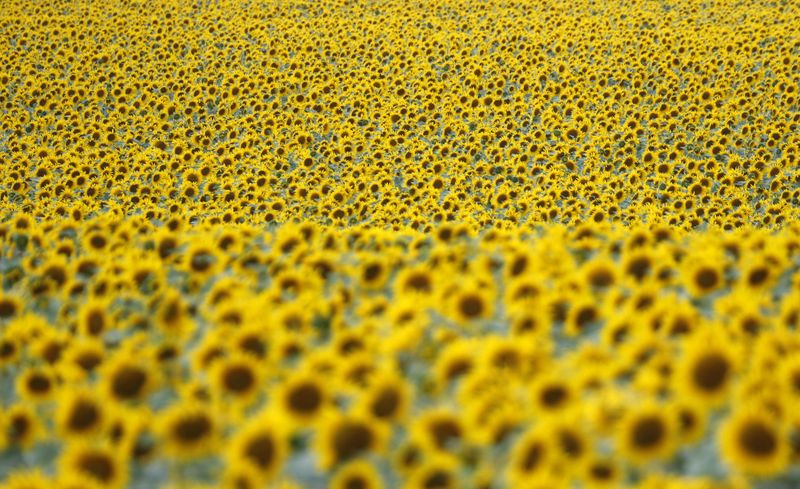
[
  {"x": 102, "y": 465},
  {"x": 188, "y": 430},
  {"x": 752, "y": 442},
  {"x": 646, "y": 432},
  {"x": 261, "y": 444},
  {"x": 342, "y": 437}
]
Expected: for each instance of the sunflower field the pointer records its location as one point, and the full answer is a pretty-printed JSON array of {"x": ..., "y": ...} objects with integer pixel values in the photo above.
[{"x": 415, "y": 244}]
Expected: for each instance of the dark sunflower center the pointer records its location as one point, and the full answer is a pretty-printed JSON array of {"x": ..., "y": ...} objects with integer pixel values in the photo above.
[
  {"x": 261, "y": 451},
  {"x": 585, "y": 316},
  {"x": 471, "y": 306},
  {"x": 711, "y": 372},
  {"x": 758, "y": 440},
  {"x": 255, "y": 346},
  {"x": 385, "y": 403},
  {"x": 350, "y": 439},
  {"x": 554, "y": 396},
  {"x": 128, "y": 382},
  {"x": 532, "y": 458},
  {"x": 305, "y": 398},
  {"x": 7, "y": 309},
  {"x": 98, "y": 466},
  {"x": 7, "y": 349},
  {"x": 372, "y": 272},
  {"x": 83, "y": 416},
  {"x": 571, "y": 444},
  {"x": 444, "y": 431},
  {"x": 95, "y": 323},
  {"x": 648, "y": 432},
  {"x": 18, "y": 427},
  {"x": 39, "y": 384},
  {"x": 420, "y": 283},
  {"x": 757, "y": 276},
  {"x": 706, "y": 278},
  {"x": 601, "y": 472},
  {"x": 88, "y": 361},
  {"x": 192, "y": 428},
  {"x": 239, "y": 379}
]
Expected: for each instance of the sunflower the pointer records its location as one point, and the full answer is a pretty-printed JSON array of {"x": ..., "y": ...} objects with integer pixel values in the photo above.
[
  {"x": 647, "y": 432},
  {"x": 530, "y": 457},
  {"x": 82, "y": 357},
  {"x": 388, "y": 398},
  {"x": 570, "y": 443},
  {"x": 600, "y": 273},
  {"x": 9, "y": 351},
  {"x": 552, "y": 394},
  {"x": 706, "y": 370},
  {"x": 407, "y": 457},
  {"x": 357, "y": 474},
  {"x": 237, "y": 377},
  {"x": 294, "y": 317},
  {"x": 36, "y": 384},
  {"x": 418, "y": 281},
  {"x": 79, "y": 414},
  {"x": 342, "y": 437},
  {"x": 581, "y": 316},
  {"x": 49, "y": 346},
  {"x": 456, "y": 360},
  {"x": 303, "y": 397},
  {"x": 439, "y": 429},
  {"x": 692, "y": 419},
  {"x": 602, "y": 473},
  {"x": 470, "y": 304},
  {"x": 373, "y": 273},
  {"x": 21, "y": 426},
  {"x": 260, "y": 444},
  {"x": 10, "y": 306},
  {"x": 758, "y": 275},
  {"x": 212, "y": 348},
  {"x": 202, "y": 260},
  {"x": 505, "y": 354},
  {"x": 753, "y": 443},
  {"x": 528, "y": 323},
  {"x": 252, "y": 341},
  {"x": 93, "y": 320},
  {"x": 127, "y": 378},
  {"x": 703, "y": 276},
  {"x": 188, "y": 430},
  {"x": 99, "y": 464}
]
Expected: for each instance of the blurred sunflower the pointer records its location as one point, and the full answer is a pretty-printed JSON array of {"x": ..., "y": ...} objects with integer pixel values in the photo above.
[
  {"x": 96, "y": 463},
  {"x": 753, "y": 443},
  {"x": 342, "y": 437},
  {"x": 303, "y": 397},
  {"x": 646, "y": 432},
  {"x": 188, "y": 430},
  {"x": 260, "y": 444},
  {"x": 80, "y": 415}
]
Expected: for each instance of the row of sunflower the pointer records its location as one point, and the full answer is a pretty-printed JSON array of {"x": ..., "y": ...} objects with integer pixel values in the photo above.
[{"x": 317, "y": 356}]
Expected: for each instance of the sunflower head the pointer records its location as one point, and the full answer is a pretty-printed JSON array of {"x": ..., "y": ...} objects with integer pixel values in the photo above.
[
  {"x": 754, "y": 443},
  {"x": 188, "y": 430}
]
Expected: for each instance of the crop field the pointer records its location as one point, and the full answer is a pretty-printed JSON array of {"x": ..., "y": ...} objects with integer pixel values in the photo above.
[{"x": 377, "y": 244}]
